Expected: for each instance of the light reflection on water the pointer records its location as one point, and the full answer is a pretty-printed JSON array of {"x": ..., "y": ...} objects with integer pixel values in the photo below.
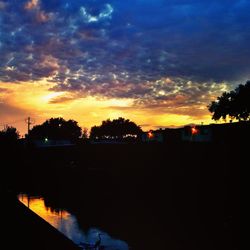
[{"x": 67, "y": 224}]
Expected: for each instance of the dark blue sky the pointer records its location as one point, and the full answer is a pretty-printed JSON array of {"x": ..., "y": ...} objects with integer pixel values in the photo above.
[{"x": 148, "y": 50}]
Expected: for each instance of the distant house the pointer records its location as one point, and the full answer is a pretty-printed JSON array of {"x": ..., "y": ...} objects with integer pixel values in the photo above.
[
  {"x": 197, "y": 133},
  {"x": 237, "y": 132},
  {"x": 153, "y": 136},
  {"x": 217, "y": 133},
  {"x": 172, "y": 135}
]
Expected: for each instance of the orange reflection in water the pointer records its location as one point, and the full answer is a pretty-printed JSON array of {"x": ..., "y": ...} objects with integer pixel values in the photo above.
[
  {"x": 37, "y": 205},
  {"x": 67, "y": 224}
]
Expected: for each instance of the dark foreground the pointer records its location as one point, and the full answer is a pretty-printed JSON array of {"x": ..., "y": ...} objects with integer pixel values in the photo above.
[{"x": 182, "y": 196}]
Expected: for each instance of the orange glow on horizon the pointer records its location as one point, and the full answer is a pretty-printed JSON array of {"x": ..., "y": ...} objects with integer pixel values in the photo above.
[{"x": 34, "y": 99}]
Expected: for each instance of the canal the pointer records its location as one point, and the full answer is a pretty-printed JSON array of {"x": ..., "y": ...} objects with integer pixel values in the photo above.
[{"x": 67, "y": 223}]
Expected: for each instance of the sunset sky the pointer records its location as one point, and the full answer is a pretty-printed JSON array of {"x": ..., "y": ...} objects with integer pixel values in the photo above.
[{"x": 158, "y": 63}]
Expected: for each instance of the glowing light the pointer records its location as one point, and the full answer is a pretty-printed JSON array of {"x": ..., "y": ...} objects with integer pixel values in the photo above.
[
  {"x": 194, "y": 130},
  {"x": 150, "y": 134}
]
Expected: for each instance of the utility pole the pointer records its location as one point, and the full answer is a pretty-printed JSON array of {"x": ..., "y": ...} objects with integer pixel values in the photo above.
[{"x": 29, "y": 122}]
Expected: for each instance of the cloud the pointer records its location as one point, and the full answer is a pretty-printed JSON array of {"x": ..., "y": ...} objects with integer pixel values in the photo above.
[
  {"x": 106, "y": 13},
  {"x": 42, "y": 17},
  {"x": 63, "y": 99},
  {"x": 32, "y": 4},
  {"x": 173, "y": 96},
  {"x": 127, "y": 49},
  {"x": 2, "y": 5}
]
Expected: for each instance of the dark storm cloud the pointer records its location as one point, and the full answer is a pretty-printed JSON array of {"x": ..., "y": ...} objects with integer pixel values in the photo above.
[{"x": 124, "y": 48}]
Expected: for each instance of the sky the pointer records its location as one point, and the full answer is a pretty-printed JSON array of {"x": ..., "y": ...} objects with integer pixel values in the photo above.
[{"x": 158, "y": 63}]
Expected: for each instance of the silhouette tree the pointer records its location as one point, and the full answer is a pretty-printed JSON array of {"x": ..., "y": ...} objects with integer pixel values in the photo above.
[
  {"x": 84, "y": 133},
  {"x": 235, "y": 104},
  {"x": 56, "y": 129},
  {"x": 116, "y": 129},
  {"x": 9, "y": 135}
]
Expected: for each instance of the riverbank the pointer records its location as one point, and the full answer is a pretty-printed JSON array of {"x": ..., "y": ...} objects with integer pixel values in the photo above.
[
  {"x": 23, "y": 229},
  {"x": 153, "y": 196}
]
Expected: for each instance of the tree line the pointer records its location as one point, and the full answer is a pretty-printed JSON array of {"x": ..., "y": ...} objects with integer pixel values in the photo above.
[
  {"x": 58, "y": 128},
  {"x": 61, "y": 129},
  {"x": 234, "y": 104}
]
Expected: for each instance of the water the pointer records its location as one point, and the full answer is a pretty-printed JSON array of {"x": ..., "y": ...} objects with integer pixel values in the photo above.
[{"x": 67, "y": 224}]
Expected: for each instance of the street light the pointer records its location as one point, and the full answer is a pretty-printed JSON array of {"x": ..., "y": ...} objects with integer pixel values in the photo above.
[{"x": 194, "y": 130}]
